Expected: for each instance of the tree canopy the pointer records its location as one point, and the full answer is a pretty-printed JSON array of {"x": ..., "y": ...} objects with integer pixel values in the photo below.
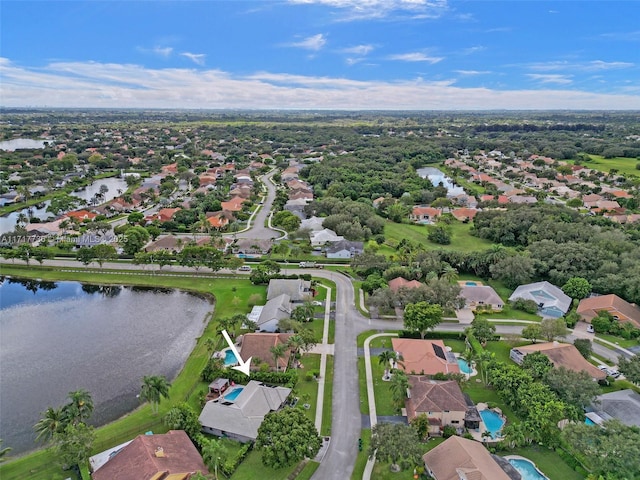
[{"x": 421, "y": 317}]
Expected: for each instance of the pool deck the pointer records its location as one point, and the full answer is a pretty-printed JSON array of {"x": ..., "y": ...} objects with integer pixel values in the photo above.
[{"x": 477, "y": 435}]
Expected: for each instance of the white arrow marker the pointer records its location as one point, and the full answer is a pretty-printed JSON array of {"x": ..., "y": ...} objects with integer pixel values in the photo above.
[{"x": 244, "y": 366}]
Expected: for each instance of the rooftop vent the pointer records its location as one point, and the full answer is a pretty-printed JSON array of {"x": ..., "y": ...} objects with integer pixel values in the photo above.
[{"x": 160, "y": 452}]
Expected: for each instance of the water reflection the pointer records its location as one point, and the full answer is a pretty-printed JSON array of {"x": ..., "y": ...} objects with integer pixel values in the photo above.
[{"x": 68, "y": 335}]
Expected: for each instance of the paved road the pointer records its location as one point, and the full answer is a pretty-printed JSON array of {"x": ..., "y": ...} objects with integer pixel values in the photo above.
[{"x": 258, "y": 230}]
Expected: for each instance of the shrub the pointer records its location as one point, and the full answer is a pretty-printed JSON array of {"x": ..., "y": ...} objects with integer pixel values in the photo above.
[
  {"x": 528, "y": 306},
  {"x": 448, "y": 431}
]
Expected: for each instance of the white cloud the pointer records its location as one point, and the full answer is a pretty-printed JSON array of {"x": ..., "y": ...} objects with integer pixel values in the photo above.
[
  {"x": 551, "y": 78},
  {"x": 472, "y": 50},
  {"x": 197, "y": 58},
  {"x": 415, "y": 57},
  {"x": 589, "y": 66},
  {"x": 361, "y": 50},
  {"x": 473, "y": 72},
  {"x": 160, "y": 51},
  {"x": 91, "y": 84},
  {"x": 314, "y": 42},
  {"x": 379, "y": 9}
]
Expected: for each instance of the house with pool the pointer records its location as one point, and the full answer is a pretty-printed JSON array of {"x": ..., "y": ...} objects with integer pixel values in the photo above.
[
  {"x": 459, "y": 458},
  {"x": 239, "y": 412},
  {"x": 552, "y": 301},
  {"x": 442, "y": 402},
  {"x": 424, "y": 357},
  {"x": 561, "y": 355}
]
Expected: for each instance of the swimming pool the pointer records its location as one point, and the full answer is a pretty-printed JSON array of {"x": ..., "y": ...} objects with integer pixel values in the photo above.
[
  {"x": 229, "y": 358},
  {"x": 471, "y": 284},
  {"x": 233, "y": 394},
  {"x": 492, "y": 421},
  {"x": 527, "y": 469},
  {"x": 588, "y": 421},
  {"x": 464, "y": 366}
]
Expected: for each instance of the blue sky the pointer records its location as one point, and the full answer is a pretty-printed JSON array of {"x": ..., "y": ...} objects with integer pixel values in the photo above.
[{"x": 321, "y": 54}]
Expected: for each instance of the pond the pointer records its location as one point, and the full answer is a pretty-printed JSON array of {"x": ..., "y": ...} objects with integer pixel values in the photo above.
[
  {"x": 8, "y": 222},
  {"x": 436, "y": 177},
  {"x": 63, "y": 336},
  {"x": 115, "y": 187}
]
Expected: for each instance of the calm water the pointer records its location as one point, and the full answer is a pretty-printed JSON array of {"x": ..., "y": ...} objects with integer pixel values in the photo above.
[
  {"x": 464, "y": 366},
  {"x": 436, "y": 177},
  {"x": 526, "y": 469},
  {"x": 492, "y": 421},
  {"x": 18, "y": 143},
  {"x": 115, "y": 185},
  {"x": 62, "y": 336},
  {"x": 8, "y": 222}
]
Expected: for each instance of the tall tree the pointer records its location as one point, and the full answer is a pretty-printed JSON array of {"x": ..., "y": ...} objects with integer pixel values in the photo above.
[
  {"x": 577, "y": 288},
  {"x": 103, "y": 252},
  {"x": 80, "y": 406},
  {"x": 399, "y": 385},
  {"x": 154, "y": 388},
  {"x": 482, "y": 329},
  {"x": 396, "y": 443},
  {"x": 278, "y": 352},
  {"x": 630, "y": 368},
  {"x": 421, "y": 317},
  {"x": 575, "y": 388},
  {"x": 553, "y": 328},
  {"x": 532, "y": 332},
  {"x": 286, "y": 437},
  {"x": 214, "y": 454},
  {"x": 53, "y": 420},
  {"x": 74, "y": 444}
]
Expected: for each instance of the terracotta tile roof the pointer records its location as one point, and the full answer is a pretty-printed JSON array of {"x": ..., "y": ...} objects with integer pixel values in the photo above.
[
  {"x": 233, "y": 205},
  {"x": 258, "y": 345},
  {"x": 433, "y": 396},
  {"x": 82, "y": 215},
  {"x": 147, "y": 456},
  {"x": 464, "y": 213},
  {"x": 164, "y": 214},
  {"x": 458, "y": 456},
  {"x": 399, "y": 282},
  {"x": 426, "y": 357},
  {"x": 563, "y": 355},
  {"x": 588, "y": 308}
]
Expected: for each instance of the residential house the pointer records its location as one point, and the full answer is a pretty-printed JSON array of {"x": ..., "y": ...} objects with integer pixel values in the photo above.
[
  {"x": 297, "y": 207},
  {"x": 344, "y": 249},
  {"x": 258, "y": 347},
  {"x": 81, "y": 215},
  {"x": 239, "y": 419},
  {"x": 313, "y": 224},
  {"x": 552, "y": 302},
  {"x": 424, "y": 357},
  {"x": 561, "y": 355},
  {"x": 268, "y": 316},
  {"x": 251, "y": 246},
  {"x": 166, "y": 242},
  {"x": 322, "y": 237},
  {"x": 297, "y": 290},
  {"x": 459, "y": 458},
  {"x": 400, "y": 282},
  {"x": 464, "y": 214},
  {"x": 621, "y": 310},
  {"x": 623, "y": 405},
  {"x": 591, "y": 200},
  {"x": 219, "y": 220},
  {"x": 233, "y": 205},
  {"x": 425, "y": 214},
  {"x": 481, "y": 297},
  {"x": 168, "y": 456},
  {"x": 163, "y": 215},
  {"x": 441, "y": 401},
  {"x": 523, "y": 199}
]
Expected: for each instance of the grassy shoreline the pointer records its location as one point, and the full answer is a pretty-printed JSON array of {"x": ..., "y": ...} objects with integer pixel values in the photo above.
[{"x": 228, "y": 293}]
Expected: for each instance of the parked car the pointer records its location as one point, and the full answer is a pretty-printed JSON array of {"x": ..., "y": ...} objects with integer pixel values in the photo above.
[
  {"x": 590, "y": 328},
  {"x": 244, "y": 268}
]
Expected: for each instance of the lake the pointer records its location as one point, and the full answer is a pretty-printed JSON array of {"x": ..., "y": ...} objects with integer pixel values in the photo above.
[
  {"x": 21, "y": 143},
  {"x": 62, "y": 336},
  {"x": 436, "y": 177}
]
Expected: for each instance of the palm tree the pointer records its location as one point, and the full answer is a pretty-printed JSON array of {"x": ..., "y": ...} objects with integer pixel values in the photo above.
[
  {"x": 448, "y": 273},
  {"x": 81, "y": 406},
  {"x": 53, "y": 420},
  {"x": 294, "y": 343},
  {"x": 154, "y": 387},
  {"x": 384, "y": 358},
  {"x": 514, "y": 434},
  {"x": 399, "y": 386},
  {"x": 214, "y": 454},
  {"x": 22, "y": 219},
  {"x": 3, "y": 452},
  {"x": 277, "y": 351}
]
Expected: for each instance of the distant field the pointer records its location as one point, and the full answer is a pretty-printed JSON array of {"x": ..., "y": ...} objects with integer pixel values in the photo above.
[
  {"x": 622, "y": 164},
  {"x": 461, "y": 239}
]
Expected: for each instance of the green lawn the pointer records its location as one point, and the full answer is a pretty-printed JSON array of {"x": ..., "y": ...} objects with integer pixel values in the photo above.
[
  {"x": 479, "y": 392},
  {"x": 308, "y": 471},
  {"x": 231, "y": 296},
  {"x": 362, "y": 385},
  {"x": 328, "y": 396},
  {"x": 308, "y": 390},
  {"x": 548, "y": 462},
  {"x": 461, "y": 239},
  {"x": 252, "y": 468},
  {"x": 619, "y": 340},
  {"x": 361, "y": 459},
  {"x": 622, "y": 164}
]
